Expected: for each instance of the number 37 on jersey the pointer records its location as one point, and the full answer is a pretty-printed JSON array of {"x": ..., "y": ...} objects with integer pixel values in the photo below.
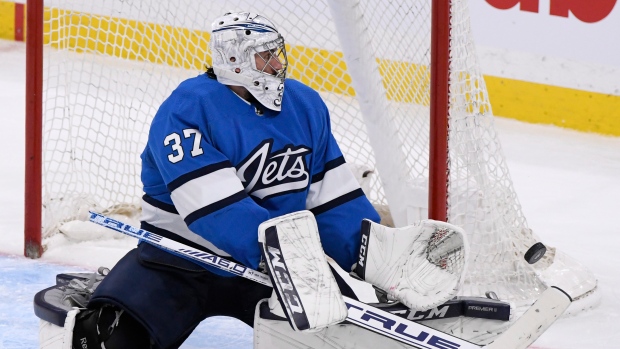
[{"x": 174, "y": 140}]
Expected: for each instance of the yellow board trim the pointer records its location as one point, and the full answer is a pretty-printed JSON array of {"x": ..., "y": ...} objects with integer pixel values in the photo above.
[
  {"x": 83, "y": 32},
  {"x": 321, "y": 69},
  {"x": 7, "y": 20},
  {"x": 560, "y": 106}
]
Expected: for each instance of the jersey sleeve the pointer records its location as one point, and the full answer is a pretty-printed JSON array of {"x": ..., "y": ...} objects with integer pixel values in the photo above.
[
  {"x": 337, "y": 200},
  {"x": 202, "y": 182}
]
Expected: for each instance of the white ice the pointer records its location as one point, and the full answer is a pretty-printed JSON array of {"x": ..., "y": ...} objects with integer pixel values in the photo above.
[{"x": 567, "y": 182}]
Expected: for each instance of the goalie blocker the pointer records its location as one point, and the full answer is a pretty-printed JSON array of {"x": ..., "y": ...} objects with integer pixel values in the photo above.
[{"x": 299, "y": 272}]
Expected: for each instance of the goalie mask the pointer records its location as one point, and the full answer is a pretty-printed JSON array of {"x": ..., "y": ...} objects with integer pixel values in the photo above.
[{"x": 248, "y": 51}]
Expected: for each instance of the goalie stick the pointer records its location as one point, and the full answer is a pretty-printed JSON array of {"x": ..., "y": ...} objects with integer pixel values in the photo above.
[{"x": 523, "y": 332}]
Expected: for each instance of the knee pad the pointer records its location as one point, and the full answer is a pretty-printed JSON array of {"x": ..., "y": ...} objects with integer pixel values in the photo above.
[{"x": 108, "y": 327}]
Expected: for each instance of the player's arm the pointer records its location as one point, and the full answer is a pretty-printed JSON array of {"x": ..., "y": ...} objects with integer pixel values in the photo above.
[
  {"x": 337, "y": 200},
  {"x": 202, "y": 182},
  {"x": 420, "y": 265}
]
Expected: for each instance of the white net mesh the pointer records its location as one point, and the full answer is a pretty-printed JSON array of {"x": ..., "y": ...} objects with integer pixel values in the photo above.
[{"x": 110, "y": 63}]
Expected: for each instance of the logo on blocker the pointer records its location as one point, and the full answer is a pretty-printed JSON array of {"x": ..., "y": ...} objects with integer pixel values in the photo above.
[
  {"x": 283, "y": 282},
  {"x": 289, "y": 292},
  {"x": 360, "y": 269}
]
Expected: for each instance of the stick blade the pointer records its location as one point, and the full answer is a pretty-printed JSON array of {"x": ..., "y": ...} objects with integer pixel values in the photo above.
[{"x": 534, "y": 322}]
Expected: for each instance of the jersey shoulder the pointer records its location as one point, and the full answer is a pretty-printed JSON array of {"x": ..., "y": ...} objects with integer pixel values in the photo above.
[
  {"x": 199, "y": 86},
  {"x": 299, "y": 89},
  {"x": 191, "y": 98},
  {"x": 303, "y": 97}
]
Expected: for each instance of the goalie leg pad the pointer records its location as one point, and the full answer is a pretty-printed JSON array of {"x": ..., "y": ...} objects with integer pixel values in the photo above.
[
  {"x": 52, "y": 336},
  {"x": 421, "y": 265},
  {"x": 270, "y": 333},
  {"x": 297, "y": 266}
]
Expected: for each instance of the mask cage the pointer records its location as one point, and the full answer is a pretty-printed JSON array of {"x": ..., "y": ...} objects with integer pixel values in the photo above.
[{"x": 273, "y": 55}]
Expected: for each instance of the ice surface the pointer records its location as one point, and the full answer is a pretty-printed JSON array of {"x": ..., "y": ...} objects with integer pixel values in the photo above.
[{"x": 22, "y": 278}]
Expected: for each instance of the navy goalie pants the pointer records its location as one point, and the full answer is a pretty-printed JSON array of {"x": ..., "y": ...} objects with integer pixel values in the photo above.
[{"x": 170, "y": 296}]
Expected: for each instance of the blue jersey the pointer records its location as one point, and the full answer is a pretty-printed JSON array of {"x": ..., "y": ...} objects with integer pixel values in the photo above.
[{"x": 214, "y": 169}]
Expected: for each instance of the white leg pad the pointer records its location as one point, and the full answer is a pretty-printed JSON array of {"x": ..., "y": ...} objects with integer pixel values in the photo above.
[
  {"x": 274, "y": 334},
  {"x": 56, "y": 337}
]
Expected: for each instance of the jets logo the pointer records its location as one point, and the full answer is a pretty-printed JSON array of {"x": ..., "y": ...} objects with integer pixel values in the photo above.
[{"x": 265, "y": 174}]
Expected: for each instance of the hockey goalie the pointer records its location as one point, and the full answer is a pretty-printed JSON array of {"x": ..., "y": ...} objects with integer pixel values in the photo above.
[{"x": 242, "y": 149}]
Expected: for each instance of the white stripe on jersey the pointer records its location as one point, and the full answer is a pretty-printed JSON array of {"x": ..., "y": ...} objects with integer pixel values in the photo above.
[
  {"x": 280, "y": 188},
  {"x": 206, "y": 190},
  {"x": 336, "y": 182},
  {"x": 172, "y": 222}
]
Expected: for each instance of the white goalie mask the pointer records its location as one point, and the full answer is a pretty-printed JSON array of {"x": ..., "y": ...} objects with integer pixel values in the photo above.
[{"x": 248, "y": 51}]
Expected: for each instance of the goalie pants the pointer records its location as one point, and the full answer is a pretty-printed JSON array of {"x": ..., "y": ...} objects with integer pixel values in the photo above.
[{"x": 170, "y": 296}]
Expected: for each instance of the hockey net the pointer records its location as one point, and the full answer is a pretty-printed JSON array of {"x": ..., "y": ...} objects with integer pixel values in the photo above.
[{"x": 110, "y": 63}]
